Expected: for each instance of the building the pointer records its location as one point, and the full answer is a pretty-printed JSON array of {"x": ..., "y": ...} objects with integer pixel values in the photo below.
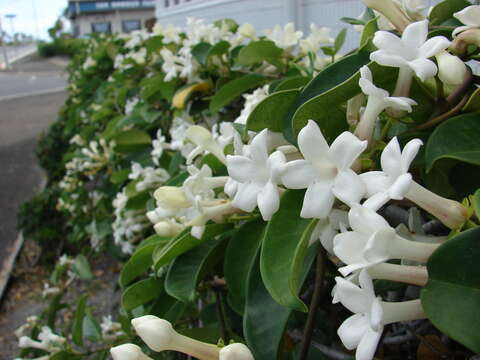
[
  {"x": 110, "y": 16},
  {"x": 265, "y": 14}
]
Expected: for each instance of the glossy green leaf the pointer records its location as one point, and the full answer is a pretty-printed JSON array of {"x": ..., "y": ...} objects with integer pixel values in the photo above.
[
  {"x": 271, "y": 111},
  {"x": 188, "y": 269},
  {"x": 141, "y": 293},
  {"x": 340, "y": 84},
  {"x": 283, "y": 250},
  {"x": 200, "y": 52},
  {"x": 265, "y": 320},
  {"x": 139, "y": 262},
  {"x": 340, "y": 40},
  {"x": 367, "y": 35},
  {"x": 120, "y": 176},
  {"x": 456, "y": 138},
  {"x": 258, "y": 51},
  {"x": 476, "y": 203},
  {"x": 77, "y": 327},
  {"x": 473, "y": 103},
  {"x": 91, "y": 329},
  {"x": 178, "y": 179},
  {"x": 452, "y": 294},
  {"x": 239, "y": 257},
  {"x": 445, "y": 10},
  {"x": 219, "y": 48},
  {"x": 234, "y": 89},
  {"x": 184, "y": 242},
  {"x": 292, "y": 83},
  {"x": 82, "y": 267},
  {"x": 168, "y": 308},
  {"x": 131, "y": 140},
  {"x": 139, "y": 201}
]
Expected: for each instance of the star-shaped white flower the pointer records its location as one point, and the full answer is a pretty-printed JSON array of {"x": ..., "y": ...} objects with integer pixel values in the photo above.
[
  {"x": 470, "y": 16},
  {"x": 257, "y": 175},
  {"x": 363, "y": 329},
  {"x": 412, "y": 50},
  {"x": 325, "y": 171},
  {"x": 284, "y": 37},
  {"x": 394, "y": 181}
]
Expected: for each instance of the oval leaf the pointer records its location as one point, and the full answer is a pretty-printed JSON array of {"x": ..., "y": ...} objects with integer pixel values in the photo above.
[
  {"x": 181, "y": 97},
  {"x": 130, "y": 140},
  {"x": 141, "y": 293},
  {"x": 456, "y": 138},
  {"x": 258, "y": 51},
  {"x": 283, "y": 251},
  {"x": 452, "y": 294}
]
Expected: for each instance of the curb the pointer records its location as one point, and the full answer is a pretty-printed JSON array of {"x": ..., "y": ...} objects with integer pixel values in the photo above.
[
  {"x": 9, "y": 263},
  {"x": 33, "y": 93}
]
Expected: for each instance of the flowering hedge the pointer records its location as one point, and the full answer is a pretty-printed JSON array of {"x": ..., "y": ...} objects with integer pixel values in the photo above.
[{"x": 243, "y": 178}]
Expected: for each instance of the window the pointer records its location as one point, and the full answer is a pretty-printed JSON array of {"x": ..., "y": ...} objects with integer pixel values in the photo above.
[
  {"x": 167, "y": 3},
  {"x": 102, "y": 27},
  {"x": 131, "y": 25}
]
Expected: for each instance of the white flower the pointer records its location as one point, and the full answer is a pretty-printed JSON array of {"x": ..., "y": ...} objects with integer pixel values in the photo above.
[
  {"x": 247, "y": 31},
  {"x": 158, "y": 144},
  {"x": 204, "y": 141},
  {"x": 170, "y": 33},
  {"x": 177, "y": 132},
  {"x": 223, "y": 133},
  {"x": 317, "y": 37},
  {"x": 451, "y": 69},
  {"x": 170, "y": 64},
  {"x": 284, "y": 38},
  {"x": 327, "y": 228},
  {"x": 128, "y": 352},
  {"x": 236, "y": 351},
  {"x": 372, "y": 241},
  {"x": 394, "y": 181},
  {"x": 411, "y": 51},
  {"x": 470, "y": 16},
  {"x": 48, "y": 290},
  {"x": 139, "y": 56},
  {"x": 257, "y": 175},
  {"x": 159, "y": 335},
  {"x": 130, "y": 105},
  {"x": 378, "y": 100},
  {"x": 364, "y": 329},
  {"x": 251, "y": 101},
  {"x": 325, "y": 172}
]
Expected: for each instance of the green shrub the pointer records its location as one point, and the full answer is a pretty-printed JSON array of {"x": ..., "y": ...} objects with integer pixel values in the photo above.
[{"x": 47, "y": 49}]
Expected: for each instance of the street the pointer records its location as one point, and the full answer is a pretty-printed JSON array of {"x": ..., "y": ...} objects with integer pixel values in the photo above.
[
  {"x": 30, "y": 98},
  {"x": 16, "y": 52}
]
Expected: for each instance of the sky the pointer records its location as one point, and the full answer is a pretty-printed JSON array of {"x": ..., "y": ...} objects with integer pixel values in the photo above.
[{"x": 47, "y": 13}]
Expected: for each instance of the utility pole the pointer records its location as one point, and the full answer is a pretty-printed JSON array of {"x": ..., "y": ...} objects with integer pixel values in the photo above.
[
  {"x": 4, "y": 49},
  {"x": 11, "y": 17},
  {"x": 37, "y": 31}
]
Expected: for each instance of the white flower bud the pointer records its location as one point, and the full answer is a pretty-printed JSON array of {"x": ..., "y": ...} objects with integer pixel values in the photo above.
[
  {"x": 204, "y": 141},
  {"x": 237, "y": 351},
  {"x": 451, "y": 70},
  {"x": 171, "y": 197},
  {"x": 128, "y": 352}
]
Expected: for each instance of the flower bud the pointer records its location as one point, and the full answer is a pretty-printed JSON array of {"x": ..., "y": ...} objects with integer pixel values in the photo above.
[
  {"x": 237, "y": 351},
  {"x": 451, "y": 70},
  {"x": 167, "y": 228},
  {"x": 128, "y": 352},
  {"x": 391, "y": 11},
  {"x": 171, "y": 197},
  {"x": 204, "y": 141}
]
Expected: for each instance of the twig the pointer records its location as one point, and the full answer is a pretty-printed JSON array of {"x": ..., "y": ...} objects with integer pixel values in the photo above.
[
  {"x": 312, "y": 313},
  {"x": 221, "y": 315}
]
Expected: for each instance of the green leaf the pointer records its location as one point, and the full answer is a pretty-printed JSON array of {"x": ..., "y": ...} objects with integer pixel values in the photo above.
[
  {"x": 239, "y": 257},
  {"x": 452, "y": 294},
  {"x": 233, "y": 89},
  {"x": 139, "y": 262},
  {"x": 271, "y": 111},
  {"x": 91, "y": 328},
  {"x": 53, "y": 308},
  {"x": 184, "y": 242},
  {"x": 456, "y": 138},
  {"x": 231, "y": 24},
  {"x": 335, "y": 86},
  {"x": 476, "y": 203},
  {"x": 265, "y": 320},
  {"x": 294, "y": 82},
  {"x": 77, "y": 327},
  {"x": 340, "y": 39},
  {"x": 168, "y": 308},
  {"x": 283, "y": 250},
  {"x": 139, "y": 201},
  {"x": 131, "y": 140},
  {"x": 82, "y": 267},
  {"x": 64, "y": 355},
  {"x": 367, "y": 35},
  {"x": 178, "y": 179},
  {"x": 444, "y": 10},
  {"x": 219, "y": 48},
  {"x": 258, "y": 51},
  {"x": 141, "y": 293},
  {"x": 473, "y": 103},
  {"x": 200, "y": 52},
  {"x": 120, "y": 176},
  {"x": 187, "y": 270}
]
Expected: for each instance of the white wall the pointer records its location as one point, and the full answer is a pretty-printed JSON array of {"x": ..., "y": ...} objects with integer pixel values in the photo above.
[{"x": 265, "y": 14}]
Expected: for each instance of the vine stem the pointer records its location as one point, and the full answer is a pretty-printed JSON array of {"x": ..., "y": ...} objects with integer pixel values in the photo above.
[{"x": 312, "y": 312}]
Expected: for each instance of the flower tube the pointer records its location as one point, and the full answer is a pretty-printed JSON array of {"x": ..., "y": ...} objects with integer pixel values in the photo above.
[
  {"x": 128, "y": 352},
  {"x": 159, "y": 335},
  {"x": 391, "y": 11}
]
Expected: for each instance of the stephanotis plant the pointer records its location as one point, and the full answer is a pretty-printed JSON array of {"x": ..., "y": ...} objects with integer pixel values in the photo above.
[{"x": 243, "y": 176}]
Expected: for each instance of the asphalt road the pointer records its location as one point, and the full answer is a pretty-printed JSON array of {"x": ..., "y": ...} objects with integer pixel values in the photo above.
[{"x": 30, "y": 98}]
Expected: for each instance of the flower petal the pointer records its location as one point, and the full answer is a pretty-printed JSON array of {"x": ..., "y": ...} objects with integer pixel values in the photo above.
[
  {"x": 366, "y": 221},
  {"x": 368, "y": 344},
  {"x": 241, "y": 168},
  {"x": 409, "y": 152},
  {"x": 318, "y": 200},
  {"x": 469, "y": 15},
  {"x": 391, "y": 158},
  {"x": 400, "y": 103},
  {"x": 433, "y": 46},
  {"x": 299, "y": 174},
  {"x": 366, "y": 283},
  {"x": 376, "y": 201},
  {"x": 258, "y": 149},
  {"x": 400, "y": 187},
  {"x": 415, "y": 34},
  {"x": 386, "y": 59},
  {"x": 378, "y": 245},
  {"x": 375, "y": 182},
  {"x": 268, "y": 200},
  {"x": 311, "y": 142},
  {"x": 423, "y": 68},
  {"x": 349, "y": 187},
  {"x": 386, "y": 41},
  {"x": 352, "y": 330},
  {"x": 349, "y": 246},
  {"x": 352, "y": 297},
  {"x": 246, "y": 196},
  {"x": 345, "y": 149}
]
